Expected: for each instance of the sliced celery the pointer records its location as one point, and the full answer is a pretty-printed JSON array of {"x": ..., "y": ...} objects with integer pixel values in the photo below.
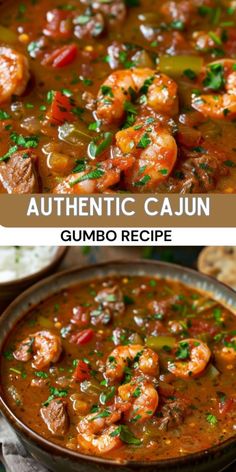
[
  {"x": 175, "y": 66},
  {"x": 158, "y": 342},
  {"x": 7, "y": 36}
]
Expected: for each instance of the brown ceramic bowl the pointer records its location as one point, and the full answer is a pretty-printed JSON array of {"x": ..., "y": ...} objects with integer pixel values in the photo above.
[
  {"x": 59, "y": 459},
  {"x": 10, "y": 290}
]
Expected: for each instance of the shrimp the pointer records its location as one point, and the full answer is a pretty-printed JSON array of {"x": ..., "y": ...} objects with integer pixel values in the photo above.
[
  {"x": 155, "y": 152},
  {"x": 44, "y": 347},
  {"x": 158, "y": 90},
  {"x": 14, "y": 73},
  {"x": 222, "y": 74},
  {"x": 92, "y": 181},
  {"x": 194, "y": 355},
  {"x": 143, "y": 358},
  {"x": 228, "y": 353},
  {"x": 95, "y": 430},
  {"x": 143, "y": 398}
]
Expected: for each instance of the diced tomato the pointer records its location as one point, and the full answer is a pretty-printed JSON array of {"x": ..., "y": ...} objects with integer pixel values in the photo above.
[
  {"x": 82, "y": 372},
  {"x": 82, "y": 337},
  {"x": 80, "y": 318},
  {"x": 61, "y": 57},
  {"x": 59, "y": 24},
  {"x": 60, "y": 109},
  {"x": 226, "y": 407}
]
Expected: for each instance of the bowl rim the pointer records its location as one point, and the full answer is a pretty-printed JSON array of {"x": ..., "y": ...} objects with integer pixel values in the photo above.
[
  {"x": 57, "y": 257},
  {"x": 21, "y": 428}
]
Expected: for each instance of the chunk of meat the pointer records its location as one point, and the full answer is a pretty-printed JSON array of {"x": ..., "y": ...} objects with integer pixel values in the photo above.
[
  {"x": 92, "y": 28},
  {"x": 59, "y": 24},
  {"x": 14, "y": 73},
  {"x": 111, "y": 303},
  {"x": 201, "y": 173},
  {"x": 55, "y": 417},
  {"x": 114, "y": 12},
  {"x": 181, "y": 11},
  {"x": 18, "y": 174},
  {"x": 79, "y": 316},
  {"x": 161, "y": 307},
  {"x": 111, "y": 299},
  {"x": 173, "y": 414},
  {"x": 195, "y": 174}
]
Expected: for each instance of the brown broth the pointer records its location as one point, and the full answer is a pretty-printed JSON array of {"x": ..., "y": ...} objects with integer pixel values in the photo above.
[
  {"x": 206, "y": 147},
  {"x": 205, "y": 407}
]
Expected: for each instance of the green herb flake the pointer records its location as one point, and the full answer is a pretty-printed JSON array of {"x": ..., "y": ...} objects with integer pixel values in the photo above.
[
  {"x": 126, "y": 436},
  {"x": 92, "y": 175},
  {"x": 190, "y": 74},
  {"x": 215, "y": 77},
  {"x": 183, "y": 351},
  {"x": 144, "y": 141},
  {"x": 4, "y": 115},
  {"x": 145, "y": 179},
  {"x": 211, "y": 419}
]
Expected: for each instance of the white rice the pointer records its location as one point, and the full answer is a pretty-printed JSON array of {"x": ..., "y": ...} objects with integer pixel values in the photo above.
[{"x": 19, "y": 261}]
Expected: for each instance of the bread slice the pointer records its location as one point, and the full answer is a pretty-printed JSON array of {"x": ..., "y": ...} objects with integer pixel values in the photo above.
[{"x": 219, "y": 262}]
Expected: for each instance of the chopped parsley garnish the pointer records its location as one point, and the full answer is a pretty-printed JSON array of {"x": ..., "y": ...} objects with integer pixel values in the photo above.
[
  {"x": 123, "y": 57},
  {"x": 125, "y": 435},
  {"x": 217, "y": 313},
  {"x": 215, "y": 38},
  {"x": 103, "y": 414},
  {"x": 212, "y": 419},
  {"x": 146, "y": 85},
  {"x": 145, "y": 179},
  {"x": 80, "y": 166},
  {"x": 41, "y": 374},
  {"x": 183, "y": 351},
  {"x": 55, "y": 393},
  {"x": 107, "y": 396},
  {"x": 177, "y": 25},
  {"x": 137, "y": 392},
  {"x": 106, "y": 90},
  {"x": 4, "y": 115},
  {"x": 144, "y": 141},
  {"x": 9, "y": 153},
  {"x": 152, "y": 283},
  {"x": 128, "y": 300},
  {"x": 131, "y": 114},
  {"x": 8, "y": 355},
  {"x": 94, "y": 150},
  {"x": 92, "y": 175},
  {"x": 229, "y": 163},
  {"x": 215, "y": 77},
  {"x": 25, "y": 141},
  {"x": 190, "y": 74}
]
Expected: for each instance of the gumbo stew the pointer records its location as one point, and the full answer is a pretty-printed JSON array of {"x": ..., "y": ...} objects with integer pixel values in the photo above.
[
  {"x": 117, "y": 95},
  {"x": 125, "y": 368}
]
